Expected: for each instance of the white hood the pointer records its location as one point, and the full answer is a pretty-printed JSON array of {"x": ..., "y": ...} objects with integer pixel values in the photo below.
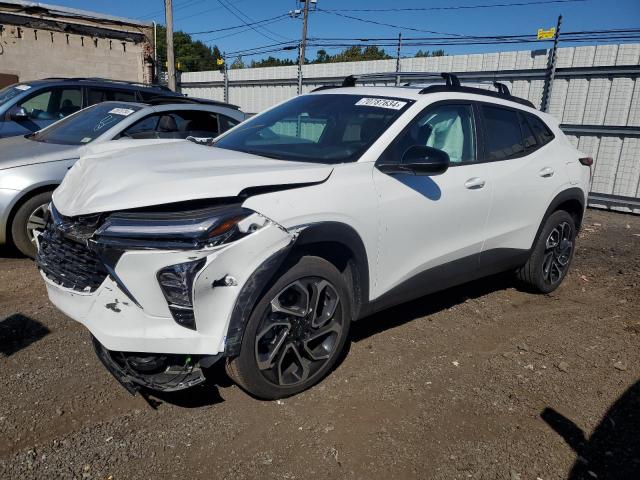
[{"x": 139, "y": 176}]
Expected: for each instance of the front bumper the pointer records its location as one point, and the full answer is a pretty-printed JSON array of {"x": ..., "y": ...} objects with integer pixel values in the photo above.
[{"x": 146, "y": 324}]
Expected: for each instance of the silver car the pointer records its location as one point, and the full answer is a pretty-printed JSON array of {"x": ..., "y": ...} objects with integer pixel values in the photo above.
[{"x": 31, "y": 167}]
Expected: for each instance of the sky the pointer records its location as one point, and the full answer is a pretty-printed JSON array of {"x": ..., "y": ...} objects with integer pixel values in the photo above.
[{"x": 203, "y": 15}]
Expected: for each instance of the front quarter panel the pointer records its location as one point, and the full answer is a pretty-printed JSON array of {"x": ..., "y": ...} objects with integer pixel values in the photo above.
[{"x": 348, "y": 196}]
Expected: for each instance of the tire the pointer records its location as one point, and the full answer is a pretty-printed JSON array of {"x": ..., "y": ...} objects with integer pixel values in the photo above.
[
  {"x": 21, "y": 234},
  {"x": 285, "y": 332},
  {"x": 551, "y": 255}
]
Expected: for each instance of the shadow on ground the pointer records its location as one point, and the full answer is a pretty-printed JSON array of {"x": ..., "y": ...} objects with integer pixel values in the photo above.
[
  {"x": 18, "y": 332},
  {"x": 428, "y": 305},
  {"x": 7, "y": 251},
  {"x": 613, "y": 449},
  {"x": 203, "y": 395}
]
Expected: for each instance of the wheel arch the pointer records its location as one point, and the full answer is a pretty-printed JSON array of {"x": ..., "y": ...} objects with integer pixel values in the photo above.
[
  {"x": 335, "y": 242},
  {"x": 571, "y": 200},
  {"x": 24, "y": 196}
]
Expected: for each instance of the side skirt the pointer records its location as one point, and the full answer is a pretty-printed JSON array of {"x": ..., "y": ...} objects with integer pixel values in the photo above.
[{"x": 448, "y": 275}]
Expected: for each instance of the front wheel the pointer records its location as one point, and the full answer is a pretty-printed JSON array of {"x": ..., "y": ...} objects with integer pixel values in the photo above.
[
  {"x": 551, "y": 255},
  {"x": 295, "y": 333}
]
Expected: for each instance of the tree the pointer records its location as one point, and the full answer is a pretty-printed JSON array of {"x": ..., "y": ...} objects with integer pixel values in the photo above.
[
  {"x": 272, "y": 62},
  {"x": 354, "y": 53},
  {"x": 427, "y": 53},
  {"x": 191, "y": 56}
]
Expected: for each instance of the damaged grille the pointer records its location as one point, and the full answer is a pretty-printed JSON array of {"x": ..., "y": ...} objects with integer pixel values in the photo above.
[{"x": 69, "y": 263}]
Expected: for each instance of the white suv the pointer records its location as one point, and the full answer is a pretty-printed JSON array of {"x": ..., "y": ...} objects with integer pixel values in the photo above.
[{"x": 263, "y": 248}]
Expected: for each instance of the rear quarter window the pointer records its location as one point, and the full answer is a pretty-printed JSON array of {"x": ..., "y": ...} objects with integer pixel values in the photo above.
[
  {"x": 503, "y": 135},
  {"x": 540, "y": 129}
]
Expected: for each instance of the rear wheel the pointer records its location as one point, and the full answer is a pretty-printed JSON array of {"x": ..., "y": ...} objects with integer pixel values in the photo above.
[
  {"x": 296, "y": 331},
  {"x": 551, "y": 255},
  {"x": 29, "y": 217}
]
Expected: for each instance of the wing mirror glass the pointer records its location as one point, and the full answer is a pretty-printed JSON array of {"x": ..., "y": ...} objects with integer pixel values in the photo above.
[
  {"x": 419, "y": 160},
  {"x": 18, "y": 114}
]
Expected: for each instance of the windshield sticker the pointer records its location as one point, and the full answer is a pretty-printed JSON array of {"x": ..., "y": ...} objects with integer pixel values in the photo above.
[
  {"x": 122, "y": 111},
  {"x": 86, "y": 140},
  {"x": 381, "y": 103},
  {"x": 23, "y": 87},
  {"x": 106, "y": 121}
]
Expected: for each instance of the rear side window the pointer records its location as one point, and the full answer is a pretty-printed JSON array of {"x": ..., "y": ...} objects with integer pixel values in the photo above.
[
  {"x": 540, "y": 129},
  {"x": 99, "y": 95},
  {"x": 503, "y": 134},
  {"x": 529, "y": 138}
]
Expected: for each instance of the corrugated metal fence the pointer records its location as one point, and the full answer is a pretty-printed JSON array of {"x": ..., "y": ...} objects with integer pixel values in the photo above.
[{"x": 596, "y": 97}]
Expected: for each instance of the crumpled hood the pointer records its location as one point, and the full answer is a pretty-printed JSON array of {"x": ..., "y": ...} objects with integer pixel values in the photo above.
[
  {"x": 20, "y": 151},
  {"x": 141, "y": 176}
]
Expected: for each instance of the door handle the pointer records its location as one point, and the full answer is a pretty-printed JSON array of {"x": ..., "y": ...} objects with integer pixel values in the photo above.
[
  {"x": 546, "y": 172},
  {"x": 474, "y": 183}
]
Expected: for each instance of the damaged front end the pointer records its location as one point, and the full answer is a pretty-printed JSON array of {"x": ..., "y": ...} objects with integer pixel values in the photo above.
[
  {"x": 159, "y": 372},
  {"x": 159, "y": 288}
]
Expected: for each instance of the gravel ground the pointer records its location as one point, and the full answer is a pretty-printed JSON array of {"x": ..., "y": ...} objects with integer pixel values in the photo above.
[{"x": 482, "y": 381}]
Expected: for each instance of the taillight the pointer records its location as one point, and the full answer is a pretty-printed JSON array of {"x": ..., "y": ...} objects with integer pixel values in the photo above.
[{"x": 586, "y": 161}]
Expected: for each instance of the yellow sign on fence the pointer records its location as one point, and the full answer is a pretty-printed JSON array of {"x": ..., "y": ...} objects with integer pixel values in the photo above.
[{"x": 546, "y": 34}]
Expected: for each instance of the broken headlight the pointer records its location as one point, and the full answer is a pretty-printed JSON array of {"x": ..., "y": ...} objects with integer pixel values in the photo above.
[
  {"x": 176, "y": 282},
  {"x": 184, "y": 229}
]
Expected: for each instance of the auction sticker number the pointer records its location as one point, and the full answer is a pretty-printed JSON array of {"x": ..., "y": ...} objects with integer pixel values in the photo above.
[
  {"x": 122, "y": 111},
  {"x": 381, "y": 103}
]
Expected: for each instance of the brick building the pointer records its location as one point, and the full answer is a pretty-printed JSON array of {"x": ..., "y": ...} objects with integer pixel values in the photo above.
[{"x": 39, "y": 40}]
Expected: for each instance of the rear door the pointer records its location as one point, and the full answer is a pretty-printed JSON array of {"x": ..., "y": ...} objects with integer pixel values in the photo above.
[
  {"x": 432, "y": 228},
  {"x": 526, "y": 173}
]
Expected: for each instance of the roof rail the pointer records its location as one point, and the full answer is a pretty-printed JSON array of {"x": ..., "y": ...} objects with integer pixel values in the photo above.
[
  {"x": 350, "y": 81},
  {"x": 167, "y": 99},
  {"x": 109, "y": 80},
  {"x": 452, "y": 83}
]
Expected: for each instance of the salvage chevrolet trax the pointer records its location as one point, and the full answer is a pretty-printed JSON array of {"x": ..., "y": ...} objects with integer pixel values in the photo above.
[{"x": 261, "y": 250}]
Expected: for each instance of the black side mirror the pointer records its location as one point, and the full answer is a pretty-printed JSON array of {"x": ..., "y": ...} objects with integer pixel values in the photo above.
[
  {"x": 419, "y": 160},
  {"x": 18, "y": 114}
]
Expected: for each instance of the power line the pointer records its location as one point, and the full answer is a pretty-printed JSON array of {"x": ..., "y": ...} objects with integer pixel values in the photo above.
[
  {"x": 179, "y": 6},
  {"x": 574, "y": 37},
  {"x": 247, "y": 17},
  {"x": 472, "y": 37},
  {"x": 210, "y": 39},
  {"x": 374, "y": 22},
  {"x": 239, "y": 26},
  {"x": 228, "y": 7},
  {"x": 455, "y": 7}
]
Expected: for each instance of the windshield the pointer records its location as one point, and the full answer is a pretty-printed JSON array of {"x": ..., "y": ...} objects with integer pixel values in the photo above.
[
  {"x": 317, "y": 128},
  {"x": 86, "y": 125},
  {"x": 12, "y": 91}
]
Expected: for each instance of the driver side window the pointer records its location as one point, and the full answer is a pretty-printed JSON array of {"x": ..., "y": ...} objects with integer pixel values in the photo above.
[
  {"x": 53, "y": 104},
  {"x": 448, "y": 127}
]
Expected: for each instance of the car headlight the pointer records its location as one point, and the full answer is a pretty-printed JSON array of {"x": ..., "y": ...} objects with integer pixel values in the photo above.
[{"x": 182, "y": 229}]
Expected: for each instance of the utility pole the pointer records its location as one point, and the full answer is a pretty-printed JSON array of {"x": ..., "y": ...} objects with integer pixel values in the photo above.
[
  {"x": 225, "y": 71},
  {"x": 171, "y": 61},
  {"x": 551, "y": 70},
  {"x": 398, "y": 59},
  {"x": 303, "y": 43}
]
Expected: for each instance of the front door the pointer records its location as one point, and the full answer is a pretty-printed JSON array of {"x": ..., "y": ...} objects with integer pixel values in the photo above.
[{"x": 432, "y": 227}]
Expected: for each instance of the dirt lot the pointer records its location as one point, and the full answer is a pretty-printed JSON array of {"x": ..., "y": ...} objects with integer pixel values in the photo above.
[{"x": 482, "y": 381}]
